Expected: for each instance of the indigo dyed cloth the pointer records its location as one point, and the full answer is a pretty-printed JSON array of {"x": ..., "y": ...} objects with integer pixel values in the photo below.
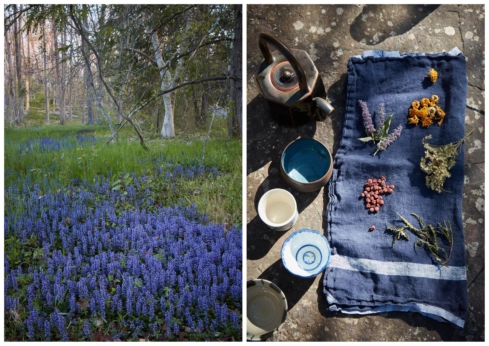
[{"x": 366, "y": 273}]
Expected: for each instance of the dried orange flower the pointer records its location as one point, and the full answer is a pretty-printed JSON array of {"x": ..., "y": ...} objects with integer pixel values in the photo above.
[
  {"x": 425, "y": 122},
  {"x": 428, "y": 113},
  {"x": 423, "y": 112},
  {"x": 413, "y": 120},
  {"x": 425, "y": 102},
  {"x": 433, "y": 75}
]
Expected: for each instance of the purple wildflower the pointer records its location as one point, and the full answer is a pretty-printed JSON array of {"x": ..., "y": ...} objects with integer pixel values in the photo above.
[
  {"x": 367, "y": 118},
  {"x": 390, "y": 139},
  {"x": 86, "y": 330},
  {"x": 380, "y": 118}
]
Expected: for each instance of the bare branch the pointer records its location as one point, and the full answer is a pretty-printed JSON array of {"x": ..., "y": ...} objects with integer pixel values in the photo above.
[
  {"x": 146, "y": 103},
  {"x": 170, "y": 19},
  {"x": 80, "y": 30},
  {"x": 144, "y": 55}
]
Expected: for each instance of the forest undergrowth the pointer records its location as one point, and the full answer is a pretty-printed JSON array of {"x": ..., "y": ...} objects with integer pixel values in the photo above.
[{"x": 113, "y": 242}]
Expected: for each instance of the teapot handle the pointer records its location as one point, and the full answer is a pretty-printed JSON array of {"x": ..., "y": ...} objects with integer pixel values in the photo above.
[{"x": 265, "y": 39}]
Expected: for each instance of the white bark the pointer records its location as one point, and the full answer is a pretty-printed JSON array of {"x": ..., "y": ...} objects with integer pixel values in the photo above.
[{"x": 168, "y": 128}]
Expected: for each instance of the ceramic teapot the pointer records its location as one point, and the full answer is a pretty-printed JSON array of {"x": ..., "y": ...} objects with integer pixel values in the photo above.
[{"x": 291, "y": 84}]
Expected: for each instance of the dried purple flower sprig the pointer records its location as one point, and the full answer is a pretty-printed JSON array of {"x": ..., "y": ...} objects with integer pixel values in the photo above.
[
  {"x": 93, "y": 261},
  {"x": 379, "y": 136}
]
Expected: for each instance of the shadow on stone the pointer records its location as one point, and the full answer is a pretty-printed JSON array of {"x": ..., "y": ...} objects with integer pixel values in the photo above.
[
  {"x": 257, "y": 245},
  {"x": 266, "y": 138},
  {"x": 377, "y": 23},
  {"x": 294, "y": 287}
]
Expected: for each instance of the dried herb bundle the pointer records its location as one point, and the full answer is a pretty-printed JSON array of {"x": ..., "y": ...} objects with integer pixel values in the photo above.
[
  {"x": 437, "y": 162},
  {"x": 427, "y": 237},
  {"x": 379, "y": 136}
]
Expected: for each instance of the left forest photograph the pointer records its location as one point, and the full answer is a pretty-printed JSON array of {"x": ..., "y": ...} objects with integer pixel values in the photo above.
[{"x": 122, "y": 172}]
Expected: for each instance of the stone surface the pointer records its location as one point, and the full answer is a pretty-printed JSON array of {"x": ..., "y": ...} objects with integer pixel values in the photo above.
[{"x": 331, "y": 34}]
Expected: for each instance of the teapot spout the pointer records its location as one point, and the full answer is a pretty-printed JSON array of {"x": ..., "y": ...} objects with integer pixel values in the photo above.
[{"x": 323, "y": 105}]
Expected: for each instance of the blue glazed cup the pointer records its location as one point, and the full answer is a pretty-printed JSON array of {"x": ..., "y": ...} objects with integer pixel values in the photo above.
[{"x": 306, "y": 165}]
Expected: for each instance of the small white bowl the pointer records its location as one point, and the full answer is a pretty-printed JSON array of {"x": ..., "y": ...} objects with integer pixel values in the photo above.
[
  {"x": 277, "y": 208},
  {"x": 266, "y": 309},
  {"x": 305, "y": 253}
]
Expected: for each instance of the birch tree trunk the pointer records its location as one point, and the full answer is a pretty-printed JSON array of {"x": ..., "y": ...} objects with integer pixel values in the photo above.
[
  {"x": 235, "y": 118},
  {"x": 62, "y": 81},
  {"x": 59, "y": 78},
  {"x": 28, "y": 74},
  {"x": 168, "y": 128},
  {"x": 11, "y": 89},
  {"x": 46, "y": 90},
  {"x": 89, "y": 78},
  {"x": 19, "y": 102}
]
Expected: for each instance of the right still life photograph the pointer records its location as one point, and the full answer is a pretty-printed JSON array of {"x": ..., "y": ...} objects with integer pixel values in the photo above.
[{"x": 365, "y": 173}]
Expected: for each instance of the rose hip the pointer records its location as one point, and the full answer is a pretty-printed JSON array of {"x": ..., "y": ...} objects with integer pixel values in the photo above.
[{"x": 372, "y": 193}]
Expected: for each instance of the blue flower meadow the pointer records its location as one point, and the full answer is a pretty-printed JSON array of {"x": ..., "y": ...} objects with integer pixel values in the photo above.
[
  {"x": 92, "y": 257},
  {"x": 50, "y": 144}
]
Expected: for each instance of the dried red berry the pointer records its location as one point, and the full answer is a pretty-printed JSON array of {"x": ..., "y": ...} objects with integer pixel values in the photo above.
[{"x": 374, "y": 188}]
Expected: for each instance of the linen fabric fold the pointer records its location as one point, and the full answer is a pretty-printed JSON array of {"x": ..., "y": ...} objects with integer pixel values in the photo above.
[{"x": 367, "y": 273}]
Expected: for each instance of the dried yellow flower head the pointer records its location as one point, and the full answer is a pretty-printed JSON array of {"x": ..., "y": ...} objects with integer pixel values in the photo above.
[
  {"x": 433, "y": 75},
  {"x": 426, "y": 112}
]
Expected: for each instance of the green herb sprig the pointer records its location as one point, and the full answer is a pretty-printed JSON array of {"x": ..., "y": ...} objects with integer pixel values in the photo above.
[
  {"x": 438, "y": 161},
  {"x": 427, "y": 237}
]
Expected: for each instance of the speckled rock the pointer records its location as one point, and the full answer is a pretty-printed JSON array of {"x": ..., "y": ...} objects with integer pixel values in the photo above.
[{"x": 331, "y": 34}]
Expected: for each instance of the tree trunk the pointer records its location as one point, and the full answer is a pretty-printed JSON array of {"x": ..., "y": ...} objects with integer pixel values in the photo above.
[
  {"x": 62, "y": 81},
  {"x": 88, "y": 81},
  {"x": 18, "y": 61},
  {"x": 168, "y": 128},
  {"x": 70, "y": 79},
  {"x": 28, "y": 75},
  {"x": 59, "y": 78},
  {"x": 235, "y": 118},
  {"x": 204, "y": 105},
  {"x": 46, "y": 90},
  {"x": 11, "y": 95}
]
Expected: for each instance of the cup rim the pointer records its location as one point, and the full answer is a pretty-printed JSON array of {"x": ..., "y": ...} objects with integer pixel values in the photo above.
[
  {"x": 330, "y": 168},
  {"x": 263, "y": 216},
  {"x": 290, "y": 238},
  {"x": 279, "y": 292}
]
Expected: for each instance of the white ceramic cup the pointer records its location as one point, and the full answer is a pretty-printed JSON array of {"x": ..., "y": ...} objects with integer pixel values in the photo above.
[{"x": 277, "y": 208}]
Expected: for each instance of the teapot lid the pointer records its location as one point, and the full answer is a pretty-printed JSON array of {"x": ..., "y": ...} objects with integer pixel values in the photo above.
[
  {"x": 279, "y": 81},
  {"x": 287, "y": 75}
]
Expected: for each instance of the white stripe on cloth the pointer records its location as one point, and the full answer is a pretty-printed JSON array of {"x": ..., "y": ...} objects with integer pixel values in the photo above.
[
  {"x": 431, "y": 311},
  {"x": 429, "y": 271}
]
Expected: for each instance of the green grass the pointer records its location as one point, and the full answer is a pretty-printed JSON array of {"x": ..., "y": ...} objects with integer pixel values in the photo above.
[{"x": 220, "y": 197}]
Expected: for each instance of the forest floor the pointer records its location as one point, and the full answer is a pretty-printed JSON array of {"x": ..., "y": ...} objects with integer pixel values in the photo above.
[{"x": 114, "y": 242}]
